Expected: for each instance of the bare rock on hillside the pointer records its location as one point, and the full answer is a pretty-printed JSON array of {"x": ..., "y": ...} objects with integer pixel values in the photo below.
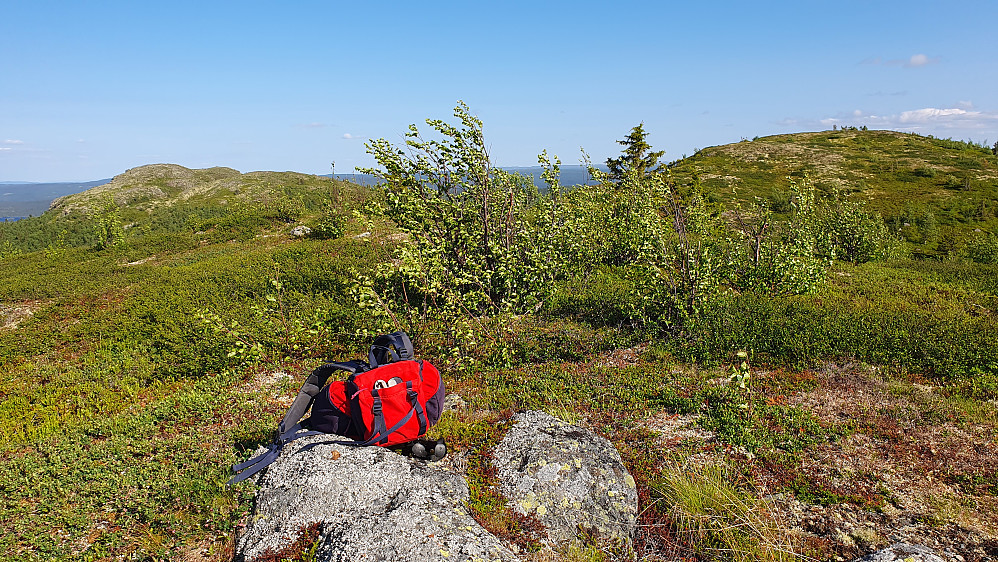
[
  {"x": 370, "y": 503},
  {"x": 902, "y": 552},
  {"x": 12, "y": 315},
  {"x": 152, "y": 185},
  {"x": 568, "y": 477},
  {"x": 300, "y": 231}
]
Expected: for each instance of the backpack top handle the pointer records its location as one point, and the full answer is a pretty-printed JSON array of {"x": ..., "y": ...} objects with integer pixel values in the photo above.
[{"x": 391, "y": 347}]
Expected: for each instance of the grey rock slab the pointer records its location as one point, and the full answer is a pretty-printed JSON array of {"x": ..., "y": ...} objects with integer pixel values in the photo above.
[
  {"x": 902, "y": 552},
  {"x": 567, "y": 477},
  {"x": 372, "y": 503}
]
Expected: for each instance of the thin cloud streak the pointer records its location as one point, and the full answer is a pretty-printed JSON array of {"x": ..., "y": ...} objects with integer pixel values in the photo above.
[
  {"x": 914, "y": 61},
  {"x": 880, "y": 93},
  {"x": 915, "y": 119}
]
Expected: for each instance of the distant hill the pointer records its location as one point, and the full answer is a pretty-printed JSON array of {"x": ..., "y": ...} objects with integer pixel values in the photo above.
[
  {"x": 899, "y": 174},
  {"x": 570, "y": 175},
  {"x": 160, "y": 199},
  {"x": 159, "y": 185},
  {"x": 156, "y": 182}
]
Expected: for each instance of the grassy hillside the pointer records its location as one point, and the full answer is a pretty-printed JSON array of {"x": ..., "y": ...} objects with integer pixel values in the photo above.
[
  {"x": 904, "y": 177},
  {"x": 161, "y": 199},
  {"x": 760, "y": 422}
]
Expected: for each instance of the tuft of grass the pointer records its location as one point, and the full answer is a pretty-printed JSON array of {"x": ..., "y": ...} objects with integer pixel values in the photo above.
[{"x": 720, "y": 521}]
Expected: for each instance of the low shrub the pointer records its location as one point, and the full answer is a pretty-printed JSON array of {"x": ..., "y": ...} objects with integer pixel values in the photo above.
[
  {"x": 982, "y": 248},
  {"x": 800, "y": 330},
  {"x": 327, "y": 227},
  {"x": 607, "y": 296}
]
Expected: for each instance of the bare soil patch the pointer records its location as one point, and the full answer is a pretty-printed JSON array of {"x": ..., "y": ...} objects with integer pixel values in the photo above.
[
  {"x": 914, "y": 468},
  {"x": 13, "y": 314}
]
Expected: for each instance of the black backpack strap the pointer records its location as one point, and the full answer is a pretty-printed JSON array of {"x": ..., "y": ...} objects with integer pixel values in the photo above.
[
  {"x": 390, "y": 347},
  {"x": 313, "y": 384},
  {"x": 413, "y": 397},
  {"x": 246, "y": 469},
  {"x": 290, "y": 427}
]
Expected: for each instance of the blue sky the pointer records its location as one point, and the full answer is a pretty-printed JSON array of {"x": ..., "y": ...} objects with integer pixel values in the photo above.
[{"x": 90, "y": 89}]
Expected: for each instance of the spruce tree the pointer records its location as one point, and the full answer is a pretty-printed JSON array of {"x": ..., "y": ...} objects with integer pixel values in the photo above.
[{"x": 637, "y": 155}]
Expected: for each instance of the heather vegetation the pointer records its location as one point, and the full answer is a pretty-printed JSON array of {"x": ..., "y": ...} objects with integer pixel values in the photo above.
[{"x": 146, "y": 328}]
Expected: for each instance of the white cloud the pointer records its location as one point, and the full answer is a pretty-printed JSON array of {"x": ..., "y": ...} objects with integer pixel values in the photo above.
[
  {"x": 13, "y": 141},
  {"x": 914, "y": 61},
  {"x": 929, "y": 114},
  {"x": 348, "y": 136},
  {"x": 790, "y": 122},
  {"x": 929, "y": 120},
  {"x": 945, "y": 122},
  {"x": 314, "y": 125},
  {"x": 6, "y": 148},
  {"x": 920, "y": 60}
]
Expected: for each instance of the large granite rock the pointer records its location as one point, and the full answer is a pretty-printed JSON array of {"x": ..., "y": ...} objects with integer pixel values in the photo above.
[
  {"x": 567, "y": 477},
  {"x": 902, "y": 552},
  {"x": 372, "y": 503}
]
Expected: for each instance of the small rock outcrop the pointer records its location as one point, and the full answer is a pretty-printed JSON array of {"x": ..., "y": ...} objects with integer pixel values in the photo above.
[
  {"x": 902, "y": 552},
  {"x": 568, "y": 477},
  {"x": 300, "y": 231},
  {"x": 371, "y": 504}
]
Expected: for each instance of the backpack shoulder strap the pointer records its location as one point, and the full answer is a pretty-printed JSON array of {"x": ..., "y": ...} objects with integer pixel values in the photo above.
[
  {"x": 390, "y": 347},
  {"x": 313, "y": 384},
  {"x": 289, "y": 428}
]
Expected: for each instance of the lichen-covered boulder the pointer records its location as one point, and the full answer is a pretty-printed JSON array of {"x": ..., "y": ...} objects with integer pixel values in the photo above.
[
  {"x": 566, "y": 476},
  {"x": 371, "y": 503},
  {"x": 902, "y": 552}
]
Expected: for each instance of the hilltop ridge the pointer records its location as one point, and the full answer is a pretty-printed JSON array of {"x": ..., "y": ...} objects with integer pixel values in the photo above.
[
  {"x": 153, "y": 185},
  {"x": 894, "y": 172}
]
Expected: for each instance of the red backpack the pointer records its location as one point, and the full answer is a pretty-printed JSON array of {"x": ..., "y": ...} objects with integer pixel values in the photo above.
[{"x": 391, "y": 399}]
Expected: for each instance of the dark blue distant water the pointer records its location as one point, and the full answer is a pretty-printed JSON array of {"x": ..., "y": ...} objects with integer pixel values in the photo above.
[
  {"x": 19, "y": 200},
  {"x": 11, "y": 219},
  {"x": 570, "y": 175}
]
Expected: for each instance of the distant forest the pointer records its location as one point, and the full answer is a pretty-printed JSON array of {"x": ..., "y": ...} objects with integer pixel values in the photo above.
[{"x": 21, "y": 200}]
